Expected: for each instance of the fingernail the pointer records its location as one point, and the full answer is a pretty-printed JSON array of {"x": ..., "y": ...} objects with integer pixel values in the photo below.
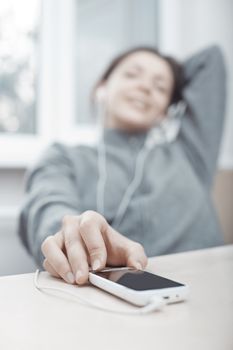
[
  {"x": 79, "y": 276},
  {"x": 96, "y": 265},
  {"x": 70, "y": 277},
  {"x": 138, "y": 266}
]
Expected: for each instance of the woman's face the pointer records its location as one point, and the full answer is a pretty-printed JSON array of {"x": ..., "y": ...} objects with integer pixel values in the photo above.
[{"x": 138, "y": 92}]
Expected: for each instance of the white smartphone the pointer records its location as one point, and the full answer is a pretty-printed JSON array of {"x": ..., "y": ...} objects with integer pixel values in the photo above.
[{"x": 138, "y": 286}]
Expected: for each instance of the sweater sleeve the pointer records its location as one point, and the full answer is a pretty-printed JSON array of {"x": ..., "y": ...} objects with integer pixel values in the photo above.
[
  {"x": 50, "y": 194},
  {"x": 205, "y": 95}
]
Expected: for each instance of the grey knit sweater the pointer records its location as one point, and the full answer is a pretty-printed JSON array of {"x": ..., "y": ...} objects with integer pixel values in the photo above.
[{"x": 172, "y": 210}]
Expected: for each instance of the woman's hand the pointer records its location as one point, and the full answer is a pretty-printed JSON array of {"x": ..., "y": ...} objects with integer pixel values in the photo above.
[{"x": 88, "y": 239}]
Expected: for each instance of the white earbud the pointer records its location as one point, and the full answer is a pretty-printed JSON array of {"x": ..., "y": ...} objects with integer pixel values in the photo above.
[
  {"x": 176, "y": 110},
  {"x": 101, "y": 94}
]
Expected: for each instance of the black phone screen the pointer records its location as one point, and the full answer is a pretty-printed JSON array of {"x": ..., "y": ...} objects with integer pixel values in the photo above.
[{"x": 138, "y": 280}]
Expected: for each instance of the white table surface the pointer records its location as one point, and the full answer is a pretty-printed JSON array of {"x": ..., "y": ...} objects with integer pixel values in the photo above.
[{"x": 30, "y": 319}]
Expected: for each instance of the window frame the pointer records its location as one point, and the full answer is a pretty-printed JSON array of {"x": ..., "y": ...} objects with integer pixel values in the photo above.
[{"x": 55, "y": 110}]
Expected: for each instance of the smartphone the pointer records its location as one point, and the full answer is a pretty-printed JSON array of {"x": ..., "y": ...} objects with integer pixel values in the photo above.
[{"x": 138, "y": 286}]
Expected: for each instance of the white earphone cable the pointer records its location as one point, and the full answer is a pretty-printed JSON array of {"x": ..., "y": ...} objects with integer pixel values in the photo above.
[
  {"x": 101, "y": 159},
  {"x": 139, "y": 168},
  {"x": 156, "y": 303},
  {"x": 160, "y": 134}
]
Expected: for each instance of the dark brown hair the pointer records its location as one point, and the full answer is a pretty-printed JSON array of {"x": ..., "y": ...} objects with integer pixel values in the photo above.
[{"x": 175, "y": 66}]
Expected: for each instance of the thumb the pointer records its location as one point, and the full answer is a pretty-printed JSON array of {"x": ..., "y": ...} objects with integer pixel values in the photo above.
[
  {"x": 136, "y": 257},
  {"x": 122, "y": 251}
]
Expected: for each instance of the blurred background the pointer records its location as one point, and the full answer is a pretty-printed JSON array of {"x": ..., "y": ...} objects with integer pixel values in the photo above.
[{"x": 52, "y": 52}]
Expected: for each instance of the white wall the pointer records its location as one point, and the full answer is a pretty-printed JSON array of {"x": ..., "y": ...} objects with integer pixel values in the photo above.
[{"x": 187, "y": 26}]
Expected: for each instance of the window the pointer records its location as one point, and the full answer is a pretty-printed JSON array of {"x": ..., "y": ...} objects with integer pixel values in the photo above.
[
  {"x": 18, "y": 65},
  {"x": 103, "y": 29},
  {"x": 53, "y": 54}
]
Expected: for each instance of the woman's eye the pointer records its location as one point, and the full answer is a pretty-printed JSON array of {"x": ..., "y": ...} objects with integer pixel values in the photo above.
[
  {"x": 160, "y": 88},
  {"x": 130, "y": 74}
]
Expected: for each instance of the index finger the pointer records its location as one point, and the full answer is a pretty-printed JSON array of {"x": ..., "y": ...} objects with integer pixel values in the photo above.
[
  {"x": 75, "y": 250},
  {"x": 90, "y": 232}
]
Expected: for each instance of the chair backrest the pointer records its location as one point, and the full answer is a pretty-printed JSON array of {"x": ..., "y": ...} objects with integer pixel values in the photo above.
[{"x": 223, "y": 198}]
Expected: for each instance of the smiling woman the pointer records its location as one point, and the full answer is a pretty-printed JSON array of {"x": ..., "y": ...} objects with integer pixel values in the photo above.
[
  {"x": 140, "y": 192},
  {"x": 138, "y": 87}
]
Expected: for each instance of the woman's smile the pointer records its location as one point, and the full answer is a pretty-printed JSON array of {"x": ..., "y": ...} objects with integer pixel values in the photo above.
[{"x": 138, "y": 103}]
